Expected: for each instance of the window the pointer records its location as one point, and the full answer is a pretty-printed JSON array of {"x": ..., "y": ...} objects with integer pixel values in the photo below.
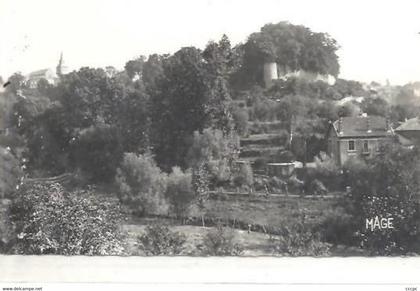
[
  {"x": 351, "y": 145},
  {"x": 365, "y": 146}
]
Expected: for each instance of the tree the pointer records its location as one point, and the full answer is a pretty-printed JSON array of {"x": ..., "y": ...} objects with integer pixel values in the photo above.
[
  {"x": 180, "y": 106},
  {"x": 292, "y": 47},
  {"x": 10, "y": 173},
  {"x": 17, "y": 82},
  {"x": 134, "y": 68},
  {"x": 179, "y": 191},
  {"x": 216, "y": 151},
  {"x": 90, "y": 103},
  {"x": 43, "y": 86},
  {"x": 142, "y": 185},
  {"x": 375, "y": 106},
  {"x": 49, "y": 220},
  {"x": 89, "y": 96},
  {"x": 98, "y": 152}
]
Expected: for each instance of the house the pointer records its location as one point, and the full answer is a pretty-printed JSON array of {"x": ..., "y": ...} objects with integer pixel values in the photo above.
[
  {"x": 408, "y": 133},
  {"x": 359, "y": 136}
]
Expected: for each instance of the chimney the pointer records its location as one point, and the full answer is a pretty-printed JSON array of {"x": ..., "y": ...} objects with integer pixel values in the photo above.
[
  {"x": 340, "y": 125},
  {"x": 368, "y": 124}
]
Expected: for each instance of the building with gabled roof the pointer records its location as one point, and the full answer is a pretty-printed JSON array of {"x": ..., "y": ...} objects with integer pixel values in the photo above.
[
  {"x": 357, "y": 137},
  {"x": 408, "y": 132}
]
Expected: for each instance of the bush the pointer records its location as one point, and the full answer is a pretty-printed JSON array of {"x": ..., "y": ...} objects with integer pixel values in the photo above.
[
  {"x": 142, "y": 185},
  {"x": 326, "y": 176},
  {"x": 220, "y": 242},
  {"x": 339, "y": 227},
  {"x": 179, "y": 191},
  {"x": 299, "y": 241},
  {"x": 49, "y": 220},
  {"x": 244, "y": 176},
  {"x": 10, "y": 173},
  {"x": 159, "y": 240}
]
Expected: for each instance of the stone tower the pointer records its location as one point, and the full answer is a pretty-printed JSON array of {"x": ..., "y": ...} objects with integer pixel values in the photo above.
[{"x": 270, "y": 73}]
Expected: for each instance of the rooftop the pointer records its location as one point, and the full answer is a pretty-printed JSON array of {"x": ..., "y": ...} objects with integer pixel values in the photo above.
[
  {"x": 410, "y": 124},
  {"x": 362, "y": 126}
]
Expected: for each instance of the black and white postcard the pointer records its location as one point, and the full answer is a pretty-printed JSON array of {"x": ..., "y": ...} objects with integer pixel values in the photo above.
[{"x": 209, "y": 130}]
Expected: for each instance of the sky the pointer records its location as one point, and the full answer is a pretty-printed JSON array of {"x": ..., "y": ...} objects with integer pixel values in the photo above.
[{"x": 379, "y": 40}]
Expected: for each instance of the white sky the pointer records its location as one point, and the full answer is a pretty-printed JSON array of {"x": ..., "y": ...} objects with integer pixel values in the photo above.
[{"x": 379, "y": 39}]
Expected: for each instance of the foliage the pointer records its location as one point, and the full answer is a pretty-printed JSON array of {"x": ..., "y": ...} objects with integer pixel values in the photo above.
[
  {"x": 326, "y": 171},
  {"x": 10, "y": 173},
  {"x": 200, "y": 182},
  {"x": 17, "y": 82},
  {"x": 375, "y": 107},
  {"x": 179, "y": 191},
  {"x": 49, "y": 220},
  {"x": 292, "y": 47},
  {"x": 244, "y": 176},
  {"x": 221, "y": 61},
  {"x": 217, "y": 151},
  {"x": 298, "y": 240},
  {"x": 339, "y": 227},
  {"x": 98, "y": 152},
  {"x": 240, "y": 117},
  {"x": 179, "y": 107},
  {"x": 142, "y": 185},
  {"x": 220, "y": 241},
  {"x": 6, "y": 229},
  {"x": 387, "y": 187},
  {"x": 160, "y": 240},
  {"x": 284, "y": 156}
]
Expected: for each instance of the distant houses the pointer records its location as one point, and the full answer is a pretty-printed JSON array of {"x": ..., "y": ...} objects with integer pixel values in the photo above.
[{"x": 359, "y": 136}]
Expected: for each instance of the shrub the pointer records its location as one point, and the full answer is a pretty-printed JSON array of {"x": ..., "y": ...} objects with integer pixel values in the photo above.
[
  {"x": 160, "y": 240},
  {"x": 326, "y": 176},
  {"x": 339, "y": 227},
  {"x": 220, "y": 242},
  {"x": 10, "y": 173},
  {"x": 244, "y": 176},
  {"x": 299, "y": 241},
  {"x": 142, "y": 185},
  {"x": 179, "y": 191},
  {"x": 49, "y": 220}
]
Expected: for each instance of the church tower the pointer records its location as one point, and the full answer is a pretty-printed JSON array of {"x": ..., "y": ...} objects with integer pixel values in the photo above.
[{"x": 61, "y": 68}]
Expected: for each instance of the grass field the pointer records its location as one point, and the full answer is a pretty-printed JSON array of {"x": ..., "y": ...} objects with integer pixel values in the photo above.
[{"x": 274, "y": 212}]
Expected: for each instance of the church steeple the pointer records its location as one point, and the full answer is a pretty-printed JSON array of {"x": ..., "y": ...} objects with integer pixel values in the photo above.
[{"x": 61, "y": 68}]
